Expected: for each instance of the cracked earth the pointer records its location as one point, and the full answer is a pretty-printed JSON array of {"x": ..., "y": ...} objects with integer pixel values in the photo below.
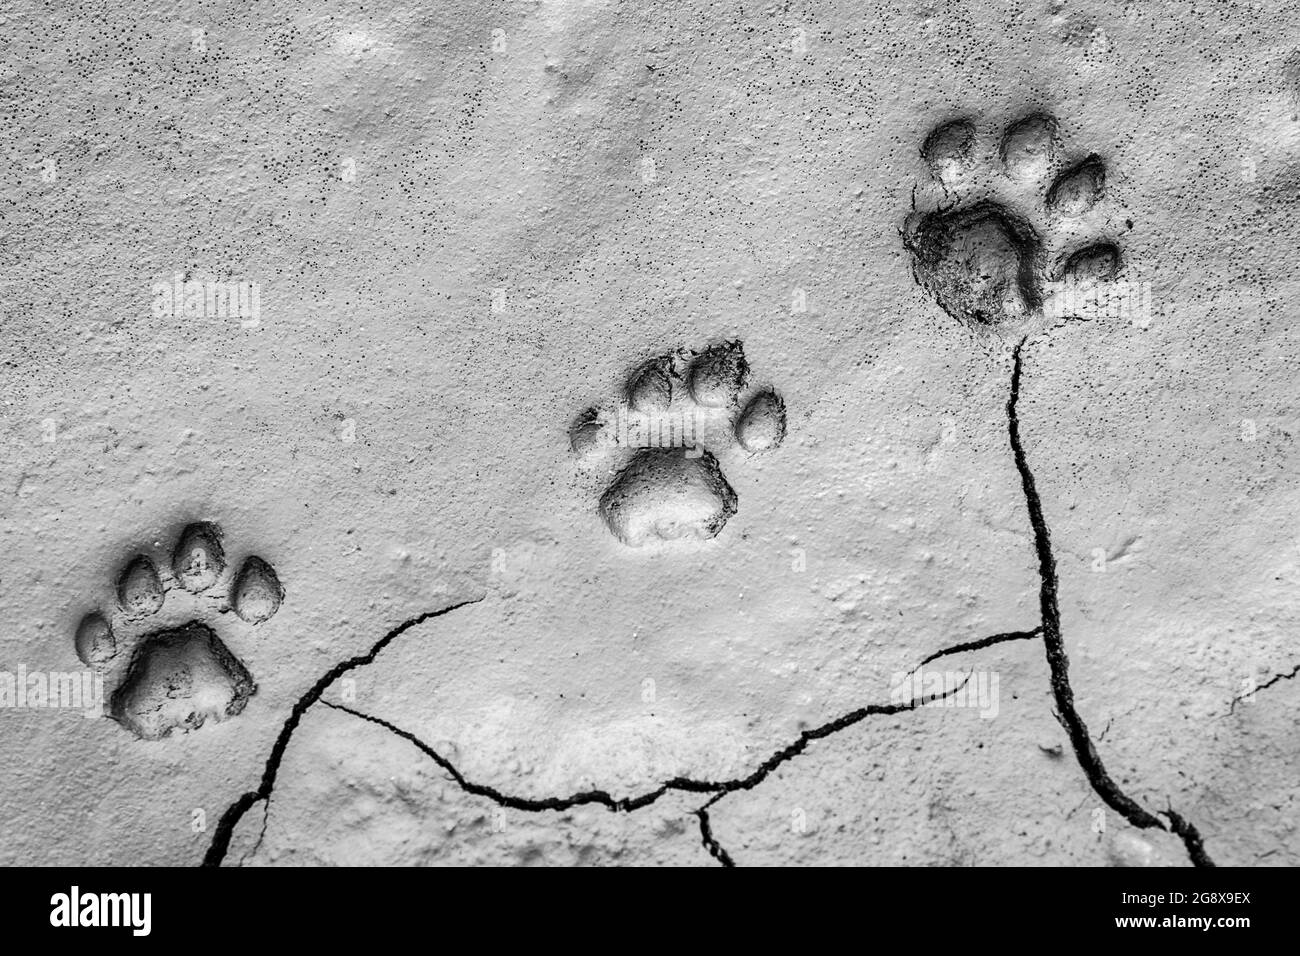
[
  {"x": 953, "y": 569},
  {"x": 1047, "y": 633}
]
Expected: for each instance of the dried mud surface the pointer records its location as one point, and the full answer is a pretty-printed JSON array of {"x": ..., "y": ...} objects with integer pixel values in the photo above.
[{"x": 575, "y": 432}]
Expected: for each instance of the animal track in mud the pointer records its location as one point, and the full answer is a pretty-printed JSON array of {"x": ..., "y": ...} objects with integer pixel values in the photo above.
[
  {"x": 180, "y": 673},
  {"x": 1010, "y": 234},
  {"x": 669, "y": 486}
]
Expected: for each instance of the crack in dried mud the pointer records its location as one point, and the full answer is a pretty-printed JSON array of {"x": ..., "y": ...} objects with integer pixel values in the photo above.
[
  {"x": 1049, "y": 630},
  {"x": 1232, "y": 708},
  {"x": 982, "y": 643},
  {"x": 718, "y": 788},
  {"x": 1058, "y": 661},
  {"x": 716, "y": 849},
  {"x": 235, "y": 812},
  {"x": 220, "y": 845}
]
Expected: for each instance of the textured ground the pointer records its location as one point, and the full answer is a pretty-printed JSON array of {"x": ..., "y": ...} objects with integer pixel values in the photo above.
[{"x": 473, "y": 226}]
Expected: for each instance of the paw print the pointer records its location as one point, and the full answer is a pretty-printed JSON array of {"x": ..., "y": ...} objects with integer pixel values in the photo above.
[
  {"x": 1012, "y": 235},
  {"x": 667, "y": 484},
  {"x": 180, "y": 673}
]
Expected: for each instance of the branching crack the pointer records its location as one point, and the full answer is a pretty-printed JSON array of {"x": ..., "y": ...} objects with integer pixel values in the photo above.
[
  {"x": 1059, "y": 664},
  {"x": 716, "y": 850},
  {"x": 718, "y": 788},
  {"x": 220, "y": 845},
  {"x": 261, "y": 833},
  {"x": 1049, "y": 630}
]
